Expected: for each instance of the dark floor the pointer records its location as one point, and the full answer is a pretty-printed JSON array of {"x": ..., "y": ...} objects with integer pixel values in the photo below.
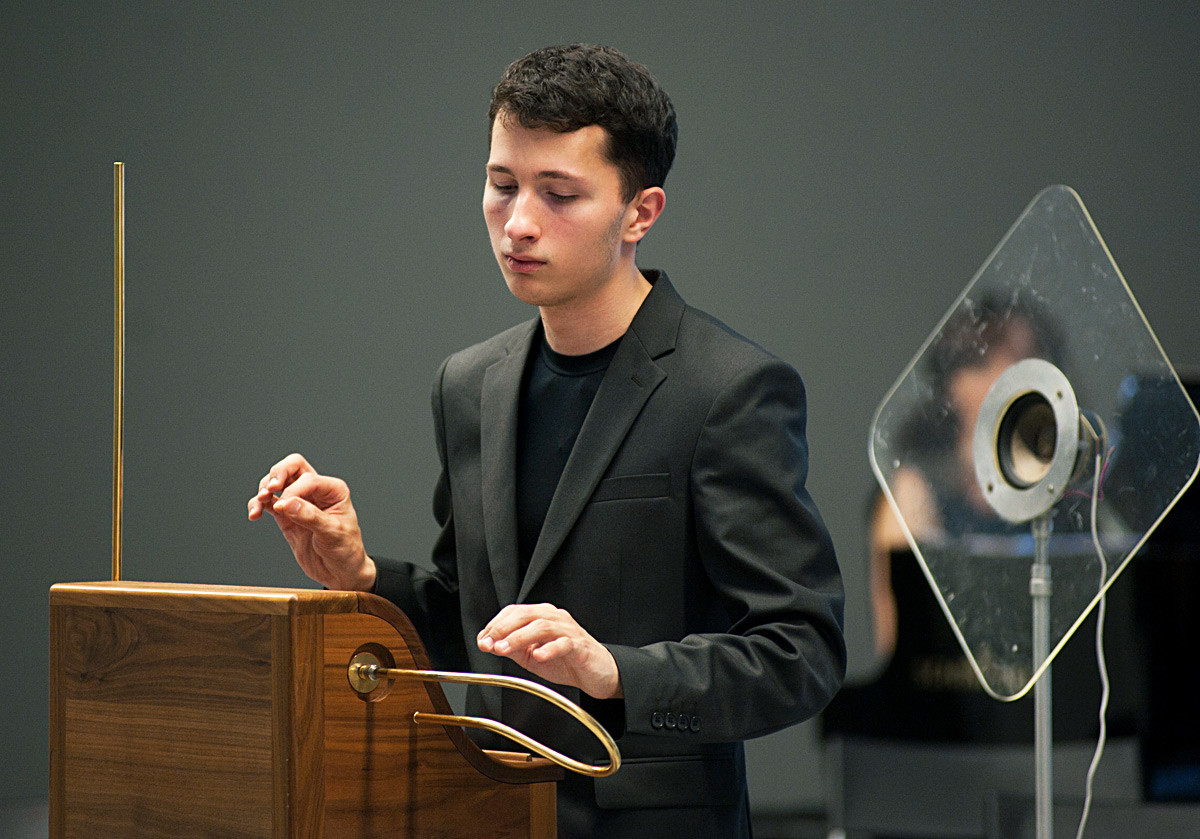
[
  {"x": 789, "y": 826},
  {"x": 28, "y": 819}
]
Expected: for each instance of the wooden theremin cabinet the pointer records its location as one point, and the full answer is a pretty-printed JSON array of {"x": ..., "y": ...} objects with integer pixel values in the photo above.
[{"x": 222, "y": 711}]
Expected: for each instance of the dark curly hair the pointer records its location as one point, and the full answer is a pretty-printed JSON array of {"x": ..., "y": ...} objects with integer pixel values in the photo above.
[{"x": 566, "y": 88}]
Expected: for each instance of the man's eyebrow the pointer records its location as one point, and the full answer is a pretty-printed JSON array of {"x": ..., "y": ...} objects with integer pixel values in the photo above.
[{"x": 547, "y": 174}]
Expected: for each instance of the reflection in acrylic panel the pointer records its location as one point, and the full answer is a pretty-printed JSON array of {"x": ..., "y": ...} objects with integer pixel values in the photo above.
[{"x": 1050, "y": 291}]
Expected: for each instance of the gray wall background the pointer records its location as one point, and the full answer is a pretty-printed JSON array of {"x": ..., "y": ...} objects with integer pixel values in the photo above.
[{"x": 305, "y": 245}]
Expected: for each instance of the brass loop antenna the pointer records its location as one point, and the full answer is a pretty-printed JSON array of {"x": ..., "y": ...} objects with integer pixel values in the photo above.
[{"x": 366, "y": 673}]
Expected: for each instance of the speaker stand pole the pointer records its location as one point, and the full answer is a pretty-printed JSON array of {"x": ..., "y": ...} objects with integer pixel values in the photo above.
[{"x": 1040, "y": 590}]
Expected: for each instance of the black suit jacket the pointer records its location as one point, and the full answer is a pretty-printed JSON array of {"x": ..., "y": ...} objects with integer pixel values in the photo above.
[{"x": 681, "y": 536}]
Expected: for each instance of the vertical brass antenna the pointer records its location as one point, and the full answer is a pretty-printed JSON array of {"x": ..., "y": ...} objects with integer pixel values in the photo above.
[{"x": 118, "y": 363}]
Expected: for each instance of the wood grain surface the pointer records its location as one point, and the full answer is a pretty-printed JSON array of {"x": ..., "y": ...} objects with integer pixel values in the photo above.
[{"x": 218, "y": 711}]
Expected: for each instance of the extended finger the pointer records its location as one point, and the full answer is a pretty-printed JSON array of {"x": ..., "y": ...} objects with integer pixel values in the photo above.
[
  {"x": 518, "y": 614},
  {"x": 535, "y": 633},
  {"x": 507, "y": 620}
]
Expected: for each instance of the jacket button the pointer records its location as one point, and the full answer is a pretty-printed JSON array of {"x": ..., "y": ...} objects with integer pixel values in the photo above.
[
  {"x": 656, "y": 719},
  {"x": 695, "y": 724},
  {"x": 684, "y": 722},
  {"x": 671, "y": 722}
]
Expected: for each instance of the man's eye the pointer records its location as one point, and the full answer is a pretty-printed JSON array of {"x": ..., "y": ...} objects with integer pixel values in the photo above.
[
  {"x": 559, "y": 198},
  {"x": 504, "y": 188}
]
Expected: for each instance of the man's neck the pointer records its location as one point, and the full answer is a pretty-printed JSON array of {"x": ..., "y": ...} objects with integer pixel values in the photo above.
[{"x": 586, "y": 326}]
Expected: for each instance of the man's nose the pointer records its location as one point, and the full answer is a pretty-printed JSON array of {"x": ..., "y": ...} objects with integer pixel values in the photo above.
[{"x": 522, "y": 221}]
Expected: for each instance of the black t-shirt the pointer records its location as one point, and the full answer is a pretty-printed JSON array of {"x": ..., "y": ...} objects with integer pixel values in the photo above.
[{"x": 556, "y": 393}]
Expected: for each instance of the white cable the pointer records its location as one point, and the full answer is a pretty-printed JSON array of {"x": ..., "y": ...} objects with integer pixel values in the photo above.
[{"x": 1100, "y": 660}]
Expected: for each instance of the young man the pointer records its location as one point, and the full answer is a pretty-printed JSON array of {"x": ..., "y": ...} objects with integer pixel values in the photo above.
[{"x": 622, "y": 496}]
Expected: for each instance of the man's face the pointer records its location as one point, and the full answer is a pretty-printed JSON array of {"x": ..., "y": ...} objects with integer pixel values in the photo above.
[{"x": 555, "y": 213}]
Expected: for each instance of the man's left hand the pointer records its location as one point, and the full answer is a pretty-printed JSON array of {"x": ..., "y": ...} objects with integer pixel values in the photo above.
[{"x": 549, "y": 643}]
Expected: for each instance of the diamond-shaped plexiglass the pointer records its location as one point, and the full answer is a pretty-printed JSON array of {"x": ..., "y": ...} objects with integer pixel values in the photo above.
[{"x": 1051, "y": 291}]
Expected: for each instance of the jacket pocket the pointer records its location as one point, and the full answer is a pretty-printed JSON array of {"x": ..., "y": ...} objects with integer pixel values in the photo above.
[
  {"x": 692, "y": 781},
  {"x": 655, "y": 485}
]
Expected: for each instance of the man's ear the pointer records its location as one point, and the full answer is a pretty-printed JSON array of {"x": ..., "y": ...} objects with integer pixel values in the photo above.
[{"x": 643, "y": 211}]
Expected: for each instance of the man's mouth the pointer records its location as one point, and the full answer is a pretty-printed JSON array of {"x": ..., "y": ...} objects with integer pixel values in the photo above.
[{"x": 522, "y": 264}]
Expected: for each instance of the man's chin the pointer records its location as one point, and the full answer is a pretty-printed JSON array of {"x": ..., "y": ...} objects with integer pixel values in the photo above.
[{"x": 529, "y": 290}]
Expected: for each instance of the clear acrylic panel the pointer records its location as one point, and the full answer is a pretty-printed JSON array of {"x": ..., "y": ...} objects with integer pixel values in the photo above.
[{"x": 1049, "y": 291}]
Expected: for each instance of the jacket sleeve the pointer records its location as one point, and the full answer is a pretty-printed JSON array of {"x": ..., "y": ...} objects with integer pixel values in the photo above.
[
  {"x": 769, "y": 557},
  {"x": 430, "y": 598}
]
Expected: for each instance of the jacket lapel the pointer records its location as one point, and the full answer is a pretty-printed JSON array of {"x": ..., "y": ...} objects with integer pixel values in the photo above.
[
  {"x": 498, "y": 461},
  {"x": 632, "y": 377}
]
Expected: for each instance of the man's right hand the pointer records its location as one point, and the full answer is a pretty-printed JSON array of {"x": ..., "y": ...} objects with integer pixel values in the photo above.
[{"x": 316, "y": 517}]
